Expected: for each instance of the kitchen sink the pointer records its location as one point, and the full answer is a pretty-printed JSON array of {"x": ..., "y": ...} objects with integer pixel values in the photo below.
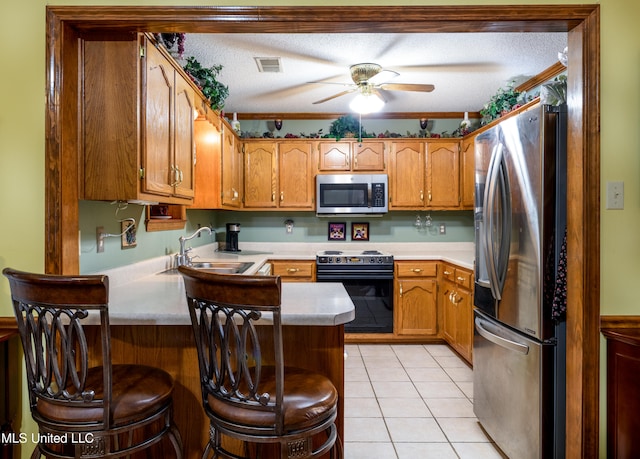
[{"x": 218, "y": 267}]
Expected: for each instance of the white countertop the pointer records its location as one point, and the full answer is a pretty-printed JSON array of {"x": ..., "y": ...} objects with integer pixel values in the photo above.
[{"x": 141, "y": 294}]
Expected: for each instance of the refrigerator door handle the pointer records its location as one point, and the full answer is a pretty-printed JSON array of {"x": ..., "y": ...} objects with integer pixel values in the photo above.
[
  {"x": 499, "y": 340},
  {"x": 488, "y": 206}
]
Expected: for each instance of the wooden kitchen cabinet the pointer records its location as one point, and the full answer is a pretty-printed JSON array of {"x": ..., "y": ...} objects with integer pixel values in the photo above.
[
  {"x": 137, "y": 124},
  {"x": 352, "y": 156},
  {"x": 334, "y": 156},
  {"x": 443, "y": 173},
  {"x": 369, "y": 155},
  {"x": 415, "y": 298},
  {"x": 208, "y": 135},
  {"x": 232, "y": 169},
  {"x": 456, "y": 301},
  {"x": 295, "y": 177},
  {"x": 294, "y": 270},
  {"x": 467, "y": 172},
  {"x": 260, "y": 179},
  {"x": 407, "y": 175}
]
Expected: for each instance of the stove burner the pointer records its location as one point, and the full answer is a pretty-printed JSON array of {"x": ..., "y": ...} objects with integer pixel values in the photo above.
[
  {"x": 371, "y": 252},
  {"x": 332, "y": 252}
]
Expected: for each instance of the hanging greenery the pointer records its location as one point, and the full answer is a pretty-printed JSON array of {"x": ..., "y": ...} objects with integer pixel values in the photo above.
[
  {"x": 207, "y": 80},
  {"x": 505, "y": 100},
  {"x": 345, "y": 126}
]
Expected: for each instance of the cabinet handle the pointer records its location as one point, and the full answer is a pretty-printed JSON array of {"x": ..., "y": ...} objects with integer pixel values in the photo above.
[
  {"x": 273, "y": 195},
  {"x": 416, "y": 270},
  {"x": 281, "y": 196},
  {"x": 451, "y": 297},
  {"x": 180, "y": 176},
  {"x": 446, "y": 273},
  {"x": 460, "y": 279},
  {"x": 421, "y": 195},
  {"x": 429, "y": 195},
  {"x": 400, "y": 288},
  {"x": 234, "y": 193},
  {"x": 292, "y": 270}
]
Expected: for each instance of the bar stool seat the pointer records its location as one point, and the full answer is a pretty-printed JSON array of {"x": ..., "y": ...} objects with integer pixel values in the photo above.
[
  {"x": 308, "y": 398},
  {"x": 83, "y": 404},
  {"x": 248, "y": 392}
]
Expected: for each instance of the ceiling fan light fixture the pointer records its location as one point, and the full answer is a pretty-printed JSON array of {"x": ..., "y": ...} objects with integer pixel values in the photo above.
[{"x": 366, "y": 103}]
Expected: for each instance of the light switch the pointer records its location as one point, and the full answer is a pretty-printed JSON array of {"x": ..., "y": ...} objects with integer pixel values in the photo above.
[{"x": 615, "y": 195}]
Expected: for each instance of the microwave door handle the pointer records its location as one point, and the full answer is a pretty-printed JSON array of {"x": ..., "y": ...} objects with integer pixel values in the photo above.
[
  {"x": 369, "y": 194},
  {"x": 489, "y": 202}
]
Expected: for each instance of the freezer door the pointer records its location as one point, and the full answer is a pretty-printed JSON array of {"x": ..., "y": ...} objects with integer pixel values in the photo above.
[{"x": 510, "y": 399}]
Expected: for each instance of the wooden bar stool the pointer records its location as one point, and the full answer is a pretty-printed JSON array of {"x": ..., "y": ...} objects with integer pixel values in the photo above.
[
  {"x": 244, "y": 397},
  {"x": 102, "y": 411}
]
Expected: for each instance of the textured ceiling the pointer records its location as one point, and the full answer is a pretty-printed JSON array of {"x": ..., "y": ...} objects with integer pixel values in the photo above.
[{"x": 466, "y": 68}]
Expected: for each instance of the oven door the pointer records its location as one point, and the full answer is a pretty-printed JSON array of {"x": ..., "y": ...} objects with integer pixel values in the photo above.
[{"x": 372, "y": 294}]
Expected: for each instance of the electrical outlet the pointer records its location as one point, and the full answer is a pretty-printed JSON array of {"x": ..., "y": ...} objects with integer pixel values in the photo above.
[
  {"x": 615, "y": 195},
  {"x": 100, "y": 239},
  {"x": 443, "y": 228}
]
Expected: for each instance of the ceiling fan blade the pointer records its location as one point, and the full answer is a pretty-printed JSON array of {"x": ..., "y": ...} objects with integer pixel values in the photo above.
[
  {"x": 407, "y": 87},
  {"x": 343, "y": 93},
  {"x": 383, "y": 76},
  {"x": 380, "y": 94}
]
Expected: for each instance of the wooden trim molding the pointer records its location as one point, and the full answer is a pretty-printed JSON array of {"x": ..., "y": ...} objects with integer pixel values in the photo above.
[
  {"x": 333, "y": 116},
  {"x": 619, "y": 322},
  {"x": 8, "y": 323},
  {"x": 542, "y": 77},
  {"x": 65, "y": 24}
]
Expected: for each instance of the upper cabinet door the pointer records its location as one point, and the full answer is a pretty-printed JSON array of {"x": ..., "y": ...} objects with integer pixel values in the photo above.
[
  {"x": 184, "y": 140},
  {"x": 334, "y": 156},
  {"x": 467, "y": 172},
  {"x": 231, "y": 168},
  {"x": 443, "y": 174},
  {"x": 295, "y": 175},
  {"x": 159, "y": 170},
  {"x": 407, "y": 175},
  {"x": 368, "y": 155},
  {"x": 260, "y": 174}
]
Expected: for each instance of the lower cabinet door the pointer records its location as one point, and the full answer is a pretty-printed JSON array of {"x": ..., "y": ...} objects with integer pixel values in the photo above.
[{"x": 415, "y": 304}]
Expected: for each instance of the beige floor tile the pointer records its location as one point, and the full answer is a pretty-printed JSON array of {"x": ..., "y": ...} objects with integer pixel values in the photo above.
[
  {"x": 425, "y": 451},
  {"x": 355, "y": 407},
  {"x": 358, "y": 389},
  {"x": 365, "y": 430},
  {"x": 359, "y": 450},
  {"x": 381, "y": 361},
  {"x": 414, "y": 430},
  {"x": 463, "y": 430},
  {"x": 460, "y": 374},
  {"x": 354, "y": 361},
  {"x": 376, "y": 350},
  {"x": 409, "y": 350},
  {"x": 356, "y": 374},
  {"x": 438, "y": 389},
  {"x": 428, "y": 374},
  {"x": 466, "y": 387},
  {"x": 352, "y": 349},
  {"x": 450, "y": 407},
  {"x": 477, "y": 451},
  {"x": 450, "y": 362},
  {"x": 440, "y": 350},
  {"x": 403, "y": 408},
  {"x": 411, "y": 361},
  {"x": 387, "y": 374},
  {"x": 395, "y": 389}
]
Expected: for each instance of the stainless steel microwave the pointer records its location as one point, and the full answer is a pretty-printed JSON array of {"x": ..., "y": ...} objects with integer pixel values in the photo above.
[{"x": 352, "y": 194}]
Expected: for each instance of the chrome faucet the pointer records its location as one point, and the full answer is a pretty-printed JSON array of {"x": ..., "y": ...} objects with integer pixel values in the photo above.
[{"x": 183, "y": 258}]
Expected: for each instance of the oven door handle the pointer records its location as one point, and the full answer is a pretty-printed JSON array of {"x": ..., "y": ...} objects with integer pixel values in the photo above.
[{"x": 349, "y": 275}]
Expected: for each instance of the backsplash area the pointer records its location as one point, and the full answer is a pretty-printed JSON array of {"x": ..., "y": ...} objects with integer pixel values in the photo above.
[{"x": 255, "y": 227}]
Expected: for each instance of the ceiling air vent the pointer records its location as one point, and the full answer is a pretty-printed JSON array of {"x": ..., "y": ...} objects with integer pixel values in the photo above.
[{"x": 269, "y": 64}]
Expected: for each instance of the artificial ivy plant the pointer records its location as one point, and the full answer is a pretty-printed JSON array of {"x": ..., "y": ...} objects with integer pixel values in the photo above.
[{"x": 207, "y": 80}]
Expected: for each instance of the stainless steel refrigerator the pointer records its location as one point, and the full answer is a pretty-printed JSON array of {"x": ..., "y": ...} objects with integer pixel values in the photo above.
[{"x": 519, "y": 338}]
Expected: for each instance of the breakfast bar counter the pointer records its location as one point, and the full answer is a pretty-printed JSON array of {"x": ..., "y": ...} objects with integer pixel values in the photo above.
[{"x": 150, "y": 325}]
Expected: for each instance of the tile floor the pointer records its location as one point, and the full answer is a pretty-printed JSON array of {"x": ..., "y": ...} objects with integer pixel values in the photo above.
[{"x": 410, "y": 402}]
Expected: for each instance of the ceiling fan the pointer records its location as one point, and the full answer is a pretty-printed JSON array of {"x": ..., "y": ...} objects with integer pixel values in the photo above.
[{"x": 371, "y": 80}]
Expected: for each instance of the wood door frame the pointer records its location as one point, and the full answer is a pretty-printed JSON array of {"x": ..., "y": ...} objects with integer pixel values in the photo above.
[{"x": 66, "y": 24}]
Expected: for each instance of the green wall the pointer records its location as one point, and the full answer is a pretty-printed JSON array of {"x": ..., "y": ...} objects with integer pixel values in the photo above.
[
  {"x": 255, "y": 227},
  {"x": 22, "y": 82}
]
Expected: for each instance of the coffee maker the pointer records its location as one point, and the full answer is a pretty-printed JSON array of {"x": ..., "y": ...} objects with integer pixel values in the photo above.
[{"x": 232, "y": 237}]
